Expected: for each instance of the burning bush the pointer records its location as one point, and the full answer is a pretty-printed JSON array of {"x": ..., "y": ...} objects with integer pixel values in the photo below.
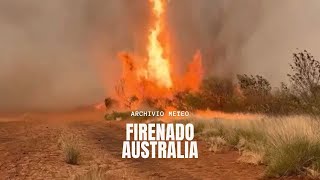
[{"x": 251, "y": 93}]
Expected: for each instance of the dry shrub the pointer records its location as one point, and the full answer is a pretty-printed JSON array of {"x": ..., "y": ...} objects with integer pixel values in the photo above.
[{"x": 69, "y": 143}]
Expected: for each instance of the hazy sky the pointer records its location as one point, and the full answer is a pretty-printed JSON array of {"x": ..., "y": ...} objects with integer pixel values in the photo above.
[{"x": 62, "y": 53}]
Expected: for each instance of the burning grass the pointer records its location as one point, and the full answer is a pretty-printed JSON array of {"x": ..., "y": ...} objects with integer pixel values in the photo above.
[{"x": 287, "y": 145}]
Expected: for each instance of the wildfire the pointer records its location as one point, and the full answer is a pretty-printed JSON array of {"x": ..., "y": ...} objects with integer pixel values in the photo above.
[
  {"x": 158, "y": 66},
  {"x": 152, "y": 76}
]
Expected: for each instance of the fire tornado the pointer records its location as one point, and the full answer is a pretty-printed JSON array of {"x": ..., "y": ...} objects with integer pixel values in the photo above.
[
  {"x": 158, "y": 66},
  {"x": 153, "y": 75}
]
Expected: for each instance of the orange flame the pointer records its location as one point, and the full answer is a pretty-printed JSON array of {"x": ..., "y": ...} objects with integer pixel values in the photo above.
[
  {"x": 158, "y": 67},
  {"x": 154, "y": 78}
]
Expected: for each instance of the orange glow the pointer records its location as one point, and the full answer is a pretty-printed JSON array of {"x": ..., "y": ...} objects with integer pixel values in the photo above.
[
  {"x": 158, "y": 67},
  {"x": 192, "y": 78},
  {"x": 152, "y": 76}
]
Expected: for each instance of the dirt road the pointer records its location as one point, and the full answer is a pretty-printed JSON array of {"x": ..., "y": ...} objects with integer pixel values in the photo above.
[{"x": 29, "y": 149}]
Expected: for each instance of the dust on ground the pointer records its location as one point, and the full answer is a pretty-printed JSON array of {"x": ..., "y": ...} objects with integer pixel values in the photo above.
[{"x": 29, "y": 149}]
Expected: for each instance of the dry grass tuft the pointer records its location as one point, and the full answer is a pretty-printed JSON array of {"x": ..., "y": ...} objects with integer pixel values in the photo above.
[
  {"x": 94, "y": 174},
  {"x": 313, "y": 173},
  {"x": 251, "y": 157},
  {"x": 216, "y": 144},
  {"x": 105, "y": 174},
  {"x": 69, "y": 143}
]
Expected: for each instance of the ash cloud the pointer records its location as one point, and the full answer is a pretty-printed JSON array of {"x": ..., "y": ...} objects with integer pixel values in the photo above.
[{"x": 62, "y": 54}]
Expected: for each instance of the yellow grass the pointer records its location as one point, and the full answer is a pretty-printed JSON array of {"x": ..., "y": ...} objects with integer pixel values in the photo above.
[
  {"x": 287, "y": 145},
  {"x": 69, "y": 143},
  {"x": 102, "y": 173}
]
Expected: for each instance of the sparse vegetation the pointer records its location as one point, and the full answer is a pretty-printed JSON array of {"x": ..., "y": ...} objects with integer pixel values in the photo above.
[
  {"x": 254, "y": 94},
  {"x": 288, "y": 146},
  {"x": 246, "y": 93},
  {"x": 94, "y": 174},
  {"x": 69, "y": 143},
  {"x": 104, "y": 174}
]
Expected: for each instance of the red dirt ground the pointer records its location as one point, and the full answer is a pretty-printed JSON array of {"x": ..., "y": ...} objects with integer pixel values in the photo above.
[{"x": 29, "y": 149}]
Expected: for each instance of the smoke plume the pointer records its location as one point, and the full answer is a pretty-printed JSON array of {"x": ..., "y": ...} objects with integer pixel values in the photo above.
[{"x": 63, "y": 54}]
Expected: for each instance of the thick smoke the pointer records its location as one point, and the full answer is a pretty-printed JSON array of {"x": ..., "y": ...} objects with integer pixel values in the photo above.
[
  {"x": 63, "y": 53},
  {"x": 44, "y": 63},
  {"x": 246, "y": 36},
  {"x": 285, "y": 26},
  {"x": 219, "y": 28}
]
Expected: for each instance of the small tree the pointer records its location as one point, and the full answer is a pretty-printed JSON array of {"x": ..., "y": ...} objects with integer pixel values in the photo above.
[{"x": 305, "y": 79}]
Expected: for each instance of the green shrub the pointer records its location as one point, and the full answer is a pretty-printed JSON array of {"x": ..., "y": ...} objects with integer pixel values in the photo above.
[{"x": 292, "y": 157}]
